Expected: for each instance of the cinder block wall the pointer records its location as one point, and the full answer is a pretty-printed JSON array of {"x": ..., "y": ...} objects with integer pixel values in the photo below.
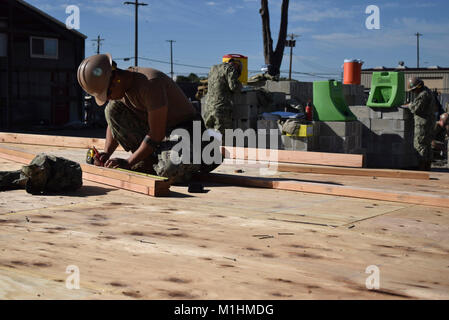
[
  {"x": 300, "y": 91},
  {"x": 387, "y": 137},
  {"x": 338, "y": 137}
]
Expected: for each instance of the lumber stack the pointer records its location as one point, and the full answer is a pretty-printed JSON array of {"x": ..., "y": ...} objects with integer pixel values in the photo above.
[{"x": 287, "y": 156}]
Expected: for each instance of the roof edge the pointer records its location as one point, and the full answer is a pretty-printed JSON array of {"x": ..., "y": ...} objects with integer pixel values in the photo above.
[{"x": 61, "y": 24}]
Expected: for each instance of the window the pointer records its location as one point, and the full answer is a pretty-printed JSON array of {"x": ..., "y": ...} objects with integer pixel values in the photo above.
[
  {"x": 3, "y": 45},
  {"x": 44, "y": 48}
]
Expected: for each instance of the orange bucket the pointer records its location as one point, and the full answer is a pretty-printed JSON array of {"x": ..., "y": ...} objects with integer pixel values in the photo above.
[{"x": 352, "y": 73}]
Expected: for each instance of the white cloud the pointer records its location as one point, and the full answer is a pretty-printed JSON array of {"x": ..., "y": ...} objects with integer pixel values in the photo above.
[
  {"x": 230, "y": 10},
  {"x": 112, "y": 11},
  {"x": 211, "y": 3},
  {"x": 317, "y": 11}
]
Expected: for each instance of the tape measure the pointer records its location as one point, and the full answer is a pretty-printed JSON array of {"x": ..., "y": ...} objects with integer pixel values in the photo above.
[{"x": 90, "y": 156}]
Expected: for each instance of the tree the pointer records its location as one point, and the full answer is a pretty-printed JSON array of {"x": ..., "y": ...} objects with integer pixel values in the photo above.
[
  {"x": 192, "y": 77},
  {"x": 273, "y": 58}
]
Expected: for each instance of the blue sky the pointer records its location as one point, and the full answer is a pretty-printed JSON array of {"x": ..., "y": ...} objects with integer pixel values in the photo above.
[{"x": 204, "y": 30}]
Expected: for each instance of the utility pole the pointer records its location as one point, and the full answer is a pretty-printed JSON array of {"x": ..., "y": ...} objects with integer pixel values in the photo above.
[
  {"x": 171, "y": 56},
  {"x": 136, "y": 41},
  {"x": 417, "y": 47},
  {"x": 98, "y": 41},
  {"x": 291, "y": 43}
]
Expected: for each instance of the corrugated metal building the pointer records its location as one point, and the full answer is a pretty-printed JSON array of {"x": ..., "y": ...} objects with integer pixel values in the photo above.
[
  {"x": 434, "y": 77},
  {"x": 39, "y": 57}
]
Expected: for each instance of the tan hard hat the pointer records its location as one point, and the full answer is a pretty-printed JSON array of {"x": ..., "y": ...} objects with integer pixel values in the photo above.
[
  {"x": 444, "y": 117},
  {"x": 415, "y": 83},
  {"x": 94, "y": 75}
]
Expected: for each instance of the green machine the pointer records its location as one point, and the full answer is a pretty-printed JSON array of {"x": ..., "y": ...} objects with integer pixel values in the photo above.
[
  {"x": 330, "y": 103},
  {"x": 387, "y": 90}
]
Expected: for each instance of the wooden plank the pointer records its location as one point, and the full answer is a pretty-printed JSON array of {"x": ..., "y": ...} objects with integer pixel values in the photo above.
[
  {"x": 303, "y": 157},
  {"x": 314, "y": 158},
  {"x": 56, "y": 141},
  {"x": 117, "y": 183},
  {"x": 385, "y": 173},
  {"x": 329, "y": 189},
  {"x": 154, "y": 186}
]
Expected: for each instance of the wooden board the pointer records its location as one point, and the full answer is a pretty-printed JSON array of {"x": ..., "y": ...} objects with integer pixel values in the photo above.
[
  {"x": 153, "y": 186},
  {"x": 229, "y": 243},
  {"x": 316, "y": 158},
  {"x": 329, "y": 189},
  {"x": 386, "y": 173},
  {"x": 57, "y": 141},
  {"x": 303, "y": 157}
]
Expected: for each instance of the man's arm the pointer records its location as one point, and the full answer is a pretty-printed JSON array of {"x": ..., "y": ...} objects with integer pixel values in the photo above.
[
  {"x": 233, "y": 80},
  {"x": 111, "y": 144},
  {"x": 418, "y": 105},
  {"x": 109, "y": 147}
]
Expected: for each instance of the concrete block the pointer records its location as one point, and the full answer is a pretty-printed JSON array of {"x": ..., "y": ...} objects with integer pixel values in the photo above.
[
  {"x": 268, "y": 124},
  {"x": 244, "y": 111},
  {"x": 279, "y": 98},
  {"x": 361, "y": 112},
  {"x": 396, "y": 114},
  {"x": 335, "y": 128},
  {"x": 270, "y": 141},
  {"x": 375, "y": 113},
  {"x": 248, "y": 97},
  {"x": 298, "y": 144},
  {"x": 388, "y": 125},
  {"x": 300, "y": 91},
  {"x": 325, "y": 143},
  {"x": 349, "y": 144}
]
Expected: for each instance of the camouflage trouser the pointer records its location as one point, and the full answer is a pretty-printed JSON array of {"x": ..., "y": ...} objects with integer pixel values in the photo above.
[
  {"x": 45, "y": 173},
  {"x": 218, "y": 117},
  {"x": 129, "y": 129},
  {"x": 422, "y": 143}
]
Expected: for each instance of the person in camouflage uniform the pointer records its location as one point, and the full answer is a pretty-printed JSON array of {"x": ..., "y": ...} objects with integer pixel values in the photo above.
[
  {"x": 441, "y": 136},
  {"x": 223, "y": 82},
  {"x": 423, "y": 108},
  {"x": 145, "y": 107},
  {"x": 45, "y": 174},
  {"x": 129, "y": 130}
]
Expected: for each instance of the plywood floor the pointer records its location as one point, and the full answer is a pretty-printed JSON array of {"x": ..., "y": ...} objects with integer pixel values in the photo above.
[{"x": 228, "y": 243}]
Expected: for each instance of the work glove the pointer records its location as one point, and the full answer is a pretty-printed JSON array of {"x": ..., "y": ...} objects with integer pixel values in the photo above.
[{"x": 104, "y": 156}]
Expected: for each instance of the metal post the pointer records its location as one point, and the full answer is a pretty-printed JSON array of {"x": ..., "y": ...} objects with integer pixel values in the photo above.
[
  {"x": 136, "y": 35},
  {"x": 291, "y": 43},
  {"x": 171, "y": 57},
  {"x": 290, "y": 69},
  {"x": 98, "y": 41},
  {"x": 417, "y": 47}
]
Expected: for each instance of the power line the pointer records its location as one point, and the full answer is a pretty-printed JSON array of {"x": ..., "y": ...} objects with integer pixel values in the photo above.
[{"x": 309, "y": 74}]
